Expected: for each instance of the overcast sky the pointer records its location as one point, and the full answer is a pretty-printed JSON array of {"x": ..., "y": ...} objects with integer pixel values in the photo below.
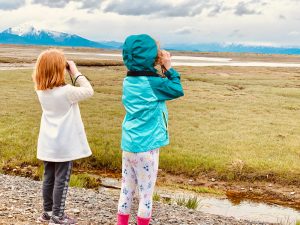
[{"x": 270, "y": 22}]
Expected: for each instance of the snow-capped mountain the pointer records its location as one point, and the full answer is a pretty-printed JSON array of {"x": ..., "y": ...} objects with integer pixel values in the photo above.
[
  {"x": 234, "y": 47},
  {"x": 25, "y": 34},
  {"x": 29, "y": 35},
  {"x": 23, "y": 30}
]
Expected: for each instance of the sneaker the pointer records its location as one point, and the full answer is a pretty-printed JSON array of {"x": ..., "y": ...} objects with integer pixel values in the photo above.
[
  {"x": 45, "y": 217},
  {"x": 66, "y": 220}
]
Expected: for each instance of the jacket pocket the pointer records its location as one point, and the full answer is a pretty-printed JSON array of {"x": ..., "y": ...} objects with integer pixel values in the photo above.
[{"x": 165, "y": 121}]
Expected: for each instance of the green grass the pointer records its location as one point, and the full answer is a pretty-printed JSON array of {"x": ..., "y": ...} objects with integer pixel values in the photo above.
[
  {"x": 196, "y": 189},
  {"x": 156, "y": 197},
  {"x": 232, "y": 123},
  {"x": 190, "y": 203},
  {"x": 84, "y": 181},
  {"x": 181, "y": 201},
  {"x": 200, "y": 189},
  {"x": 298, "y": 223}
]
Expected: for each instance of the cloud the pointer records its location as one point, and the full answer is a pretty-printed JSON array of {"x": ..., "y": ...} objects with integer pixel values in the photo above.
[
  {"x": 137, "y": 7},
  {"x": 294, "y": 33},
  {"x": 72, "y": 21},
  {"x": 184, "y": 30},
  {"x": 84, "y": 4},
  {"x": 236, "y": 34},
  {"x": 52, "y": 3},
  {"x": 160, "y": 8},
  {"x": 216, "y": 10},
  {"x": 11, "y": 5},
  {"x": 188, "y": 8},
  {"x": 243, "y": 8},
  {"x": 282, "y": 17},
  {"x": 90, "y": 4}
]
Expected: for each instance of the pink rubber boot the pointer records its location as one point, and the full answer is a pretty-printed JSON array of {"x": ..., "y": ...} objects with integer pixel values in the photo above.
[
  {"x": 143, "y": 221},
  {"x": 123, "y": 219}
]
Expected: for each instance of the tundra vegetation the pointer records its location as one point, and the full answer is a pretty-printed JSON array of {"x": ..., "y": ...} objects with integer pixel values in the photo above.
[{"x": 232, "y": 124}]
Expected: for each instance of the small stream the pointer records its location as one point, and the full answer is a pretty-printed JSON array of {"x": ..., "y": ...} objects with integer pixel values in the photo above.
[
  {"x": 220, "y": 205},
  {"x": 198, "y": 61},
  {"x": 249, "y": 210},
  {"x": 194, "y": 61}
]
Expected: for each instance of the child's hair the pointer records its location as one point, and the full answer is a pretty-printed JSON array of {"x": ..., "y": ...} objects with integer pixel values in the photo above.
[
  {"x": 50, "y": 70},
  {"x": 159, "y": 54}
]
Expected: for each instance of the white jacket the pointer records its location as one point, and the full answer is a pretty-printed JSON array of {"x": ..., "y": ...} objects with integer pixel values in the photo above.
[{"x": 62, "y": 137}]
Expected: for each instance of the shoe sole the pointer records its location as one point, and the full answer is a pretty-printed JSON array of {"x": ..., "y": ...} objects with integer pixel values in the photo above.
[{"x": 62, "y": 224}]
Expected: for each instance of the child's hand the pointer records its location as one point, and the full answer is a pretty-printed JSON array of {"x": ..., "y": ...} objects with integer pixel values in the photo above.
[
  {"x": 72, "y": 69},
  {"x": 165, "y": 60}
]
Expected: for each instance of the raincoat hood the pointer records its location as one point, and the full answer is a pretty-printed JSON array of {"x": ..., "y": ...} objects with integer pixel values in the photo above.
[{"x": 140, "y": 52}]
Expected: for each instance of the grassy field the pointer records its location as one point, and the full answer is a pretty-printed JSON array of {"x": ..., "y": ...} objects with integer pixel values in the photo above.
[{"x": 232, "y": 123}]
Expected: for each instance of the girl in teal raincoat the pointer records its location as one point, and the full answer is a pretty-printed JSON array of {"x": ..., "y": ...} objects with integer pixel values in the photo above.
[{"x": 145, "y": 126}]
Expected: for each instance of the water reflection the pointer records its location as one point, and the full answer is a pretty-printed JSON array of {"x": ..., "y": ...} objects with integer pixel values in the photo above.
[
  {"x": 233, "y": 207},
  {"x": 249, "y": 210}
]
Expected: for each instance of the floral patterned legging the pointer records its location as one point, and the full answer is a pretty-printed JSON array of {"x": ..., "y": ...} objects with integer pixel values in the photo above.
[{"x": 138, "y": 170}]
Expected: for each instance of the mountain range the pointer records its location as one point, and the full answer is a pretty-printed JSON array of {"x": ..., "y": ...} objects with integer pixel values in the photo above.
[
  {"x": 29, "y": 35},
  {"x": 237, "y": 48}
]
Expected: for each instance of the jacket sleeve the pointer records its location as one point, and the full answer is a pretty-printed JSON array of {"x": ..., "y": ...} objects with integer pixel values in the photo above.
[
  {"x": 167, "y": 88},
  {"x": 84, "y": 91}
]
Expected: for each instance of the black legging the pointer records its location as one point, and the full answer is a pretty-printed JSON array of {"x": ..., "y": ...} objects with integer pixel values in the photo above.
[{"x": 55, "y": 186}]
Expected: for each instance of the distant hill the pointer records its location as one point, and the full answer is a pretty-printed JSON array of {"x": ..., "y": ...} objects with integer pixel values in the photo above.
[
  {"x": 238, "y": 48},
  {"x": 33, "y": 36},
  {"x": 30, "y": 35}
]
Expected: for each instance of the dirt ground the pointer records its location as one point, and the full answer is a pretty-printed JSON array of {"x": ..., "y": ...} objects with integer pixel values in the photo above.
[{"x": 267, "y": 192}]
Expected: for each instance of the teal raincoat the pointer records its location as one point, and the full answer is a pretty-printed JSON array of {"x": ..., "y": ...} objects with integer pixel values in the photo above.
[{"x": 145, "y": 126}]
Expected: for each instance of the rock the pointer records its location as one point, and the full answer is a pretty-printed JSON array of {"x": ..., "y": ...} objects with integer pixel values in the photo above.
[
  {"x": 91, "y": 207},
  {"x": 76, "y": 211}
]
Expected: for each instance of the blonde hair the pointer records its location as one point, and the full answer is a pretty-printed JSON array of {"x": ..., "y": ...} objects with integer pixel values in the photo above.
[{"x": 50, "y": 70}]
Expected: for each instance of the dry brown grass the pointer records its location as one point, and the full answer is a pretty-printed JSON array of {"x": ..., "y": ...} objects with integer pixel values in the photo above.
[
  {"x": 97, "y": 62},
  {"x": 15, "y": 60}
]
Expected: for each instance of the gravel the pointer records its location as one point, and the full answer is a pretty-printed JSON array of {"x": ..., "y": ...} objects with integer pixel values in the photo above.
[{"x": 21, "y": 203}]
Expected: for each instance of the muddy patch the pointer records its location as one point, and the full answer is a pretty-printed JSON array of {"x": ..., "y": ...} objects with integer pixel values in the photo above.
[{"x": 258, "y": 191}]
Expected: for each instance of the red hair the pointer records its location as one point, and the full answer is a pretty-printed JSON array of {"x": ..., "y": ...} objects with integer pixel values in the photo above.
[{"x": 50, "y": 70}]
